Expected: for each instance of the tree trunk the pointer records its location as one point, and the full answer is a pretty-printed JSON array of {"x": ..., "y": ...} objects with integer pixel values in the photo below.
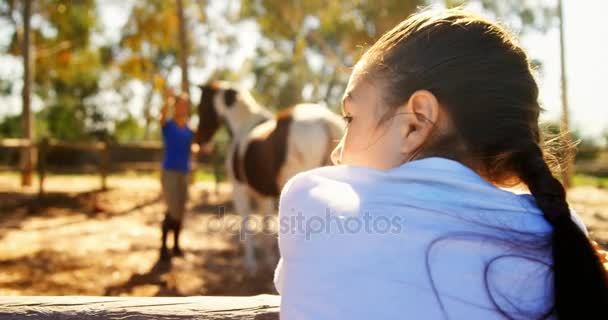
[
  {"x": 27, "y": 158},
  {"x": 564, "y": 127},
  {"x": 183, "y": 46},
  {"x": 147, "y": 114}
]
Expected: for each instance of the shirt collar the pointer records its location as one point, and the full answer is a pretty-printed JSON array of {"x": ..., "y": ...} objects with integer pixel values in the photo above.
[{"x": 439, "y": 165}]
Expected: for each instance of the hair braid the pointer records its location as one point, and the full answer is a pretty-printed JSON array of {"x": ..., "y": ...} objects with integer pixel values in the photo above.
[{"x": 576, "y": 266}]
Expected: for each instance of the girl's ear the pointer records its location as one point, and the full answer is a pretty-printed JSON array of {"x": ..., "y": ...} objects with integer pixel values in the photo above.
[{"x": 422, "y": 113}]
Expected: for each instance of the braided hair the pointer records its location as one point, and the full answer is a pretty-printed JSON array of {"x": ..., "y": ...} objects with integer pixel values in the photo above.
[{"x": 580, "y": 278}]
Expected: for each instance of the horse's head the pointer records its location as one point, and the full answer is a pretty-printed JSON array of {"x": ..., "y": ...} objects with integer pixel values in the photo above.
[{"x": 216, "y": 99}]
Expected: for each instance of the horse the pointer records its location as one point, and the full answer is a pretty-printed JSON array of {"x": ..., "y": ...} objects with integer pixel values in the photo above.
[{"x": 265, "y": 150}]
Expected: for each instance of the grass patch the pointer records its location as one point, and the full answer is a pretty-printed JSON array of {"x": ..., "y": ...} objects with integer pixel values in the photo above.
[
  {"x": 204, "y": 175},
  {"x": 588, "y": 180}
]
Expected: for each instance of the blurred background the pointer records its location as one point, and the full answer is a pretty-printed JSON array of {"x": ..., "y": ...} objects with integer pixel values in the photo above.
[{"x": 81, "y": 86}]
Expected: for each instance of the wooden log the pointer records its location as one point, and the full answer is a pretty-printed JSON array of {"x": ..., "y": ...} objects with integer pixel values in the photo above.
[{"x": 261, "y": 307}]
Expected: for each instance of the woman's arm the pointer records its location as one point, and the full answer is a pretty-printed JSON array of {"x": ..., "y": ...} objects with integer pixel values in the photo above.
[
  {"x": 169, "y": 99},
  {"x": 194, "y": 147}
]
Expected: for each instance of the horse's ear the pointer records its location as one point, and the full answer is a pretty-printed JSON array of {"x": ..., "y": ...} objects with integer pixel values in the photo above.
[{"x": 229, "y": 97}]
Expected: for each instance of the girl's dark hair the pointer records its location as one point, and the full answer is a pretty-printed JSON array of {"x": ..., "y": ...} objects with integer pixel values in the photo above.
[{"x": 483, "y": 79}]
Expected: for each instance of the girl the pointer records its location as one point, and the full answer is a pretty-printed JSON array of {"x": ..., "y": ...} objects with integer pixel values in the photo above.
[{"x": 411, "y": 223}]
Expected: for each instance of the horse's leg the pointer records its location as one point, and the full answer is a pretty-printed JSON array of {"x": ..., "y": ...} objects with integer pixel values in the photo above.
[
  {"x": 268, "y": 210},
  {"x": 242, "y": 205}
]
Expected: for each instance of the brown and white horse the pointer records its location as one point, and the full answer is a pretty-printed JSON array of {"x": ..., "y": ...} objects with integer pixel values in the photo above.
[{"x": 265, "y": 150}]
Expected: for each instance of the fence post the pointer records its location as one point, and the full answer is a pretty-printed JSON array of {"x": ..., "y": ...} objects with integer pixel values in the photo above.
[
  {"x": 42, "y": 151},
  {"x": 104, "y": 164}
]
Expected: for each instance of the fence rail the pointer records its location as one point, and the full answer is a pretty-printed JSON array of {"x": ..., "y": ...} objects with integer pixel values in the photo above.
[
  {"x": 260, "y": 307},
  {"x": 15, "y": 143}
]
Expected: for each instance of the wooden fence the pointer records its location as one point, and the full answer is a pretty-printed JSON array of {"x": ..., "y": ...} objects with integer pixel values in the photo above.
[
  {"x": 589, "y": 160},
  {"x": 102, "y": 149}
]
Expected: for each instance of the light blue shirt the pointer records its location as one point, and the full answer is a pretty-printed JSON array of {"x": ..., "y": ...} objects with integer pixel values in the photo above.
[{"x": 413, "y": 242}]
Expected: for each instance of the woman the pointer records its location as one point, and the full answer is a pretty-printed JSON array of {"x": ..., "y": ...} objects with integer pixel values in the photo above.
[{"x": 177, "y": 139}]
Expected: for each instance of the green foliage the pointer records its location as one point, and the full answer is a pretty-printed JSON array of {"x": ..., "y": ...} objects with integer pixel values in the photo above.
[
  {"x": 10, "y": 127},
  {"x": 604, "y": 138},
  {"x": 330, "y": 30},
  {"x": 67, "y": 67},
  {"x": 73, "y": 21},
  {"x": 148, "y": 41},
  {"x": 523, "y": 14},
  {"x": 128, "y": 130},
  {"x": 64, "y": 122},
  {"x": 337, "y": 31},
  {"x": 6, "y": 87},
  {"x": 148, "y": 50},
  {"x": 590, "y": 180}
]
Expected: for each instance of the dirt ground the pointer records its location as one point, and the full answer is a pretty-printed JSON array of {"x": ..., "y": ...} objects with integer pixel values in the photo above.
[
  {"x": 78, "y": 241},
  {"x": 82, "y": 242}
]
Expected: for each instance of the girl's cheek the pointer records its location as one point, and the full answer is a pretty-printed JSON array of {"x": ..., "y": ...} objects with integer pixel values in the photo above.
[
  {"x": 346, "y": 151},
  {"x": 336, "y": 154}
]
